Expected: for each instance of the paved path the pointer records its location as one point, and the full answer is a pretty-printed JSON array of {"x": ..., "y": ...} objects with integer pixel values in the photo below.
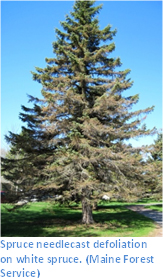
[{"x": 156, "y": 216}]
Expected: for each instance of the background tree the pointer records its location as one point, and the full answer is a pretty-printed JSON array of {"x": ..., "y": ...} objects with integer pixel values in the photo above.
[
  {"x": 23, "y": 164},
  {"x": 75, "y": 140},
  {"x": 154, "y": 163},
  {"x": 156, "y": 151}
]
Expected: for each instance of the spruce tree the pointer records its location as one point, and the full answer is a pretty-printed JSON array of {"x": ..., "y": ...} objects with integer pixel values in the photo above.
[
  {"x": 75, "y": 139},
  {"x": 154, "y": 164},
  {"x": 25, "y": 161},
  {"x": 156, "y": 149}
]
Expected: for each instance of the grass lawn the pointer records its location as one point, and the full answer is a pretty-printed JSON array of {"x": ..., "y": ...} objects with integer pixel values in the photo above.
[
  {"x": 48, "y": 219},
  {"x": 155, "y": 207},
  {"x": 142, "y": 201}
]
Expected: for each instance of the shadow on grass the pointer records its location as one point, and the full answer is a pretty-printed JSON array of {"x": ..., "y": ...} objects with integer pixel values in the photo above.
[
  {"x": 53, "y": 221},
  {"x": 159, "y": 205},
  {"x": 154, "y": 206}
]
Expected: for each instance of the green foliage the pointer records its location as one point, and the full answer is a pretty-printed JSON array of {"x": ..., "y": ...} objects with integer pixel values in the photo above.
[
  {"x": 155, "y": 164},
  {"x": 156, "y": 151}
]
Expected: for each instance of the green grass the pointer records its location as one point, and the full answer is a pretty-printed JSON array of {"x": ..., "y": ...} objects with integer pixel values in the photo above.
[
  {"x": 155, "y": 207},
  {"x": 122, "y": 203},
  {"x": 48, "y": 219}
]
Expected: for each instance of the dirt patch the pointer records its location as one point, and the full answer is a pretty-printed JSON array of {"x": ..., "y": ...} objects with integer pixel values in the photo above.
[{"x": 156, "y": 233}]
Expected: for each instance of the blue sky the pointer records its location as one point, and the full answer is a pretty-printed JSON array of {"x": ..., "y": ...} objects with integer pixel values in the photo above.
[{"x": 27, "y": 33}]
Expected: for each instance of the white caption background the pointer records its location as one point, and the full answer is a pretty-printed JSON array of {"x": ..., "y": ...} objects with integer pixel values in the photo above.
[{"x": 83, "y": 269}]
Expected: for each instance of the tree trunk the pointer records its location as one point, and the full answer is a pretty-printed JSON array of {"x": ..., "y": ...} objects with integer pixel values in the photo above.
[{"x": 87, "y": 217}]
